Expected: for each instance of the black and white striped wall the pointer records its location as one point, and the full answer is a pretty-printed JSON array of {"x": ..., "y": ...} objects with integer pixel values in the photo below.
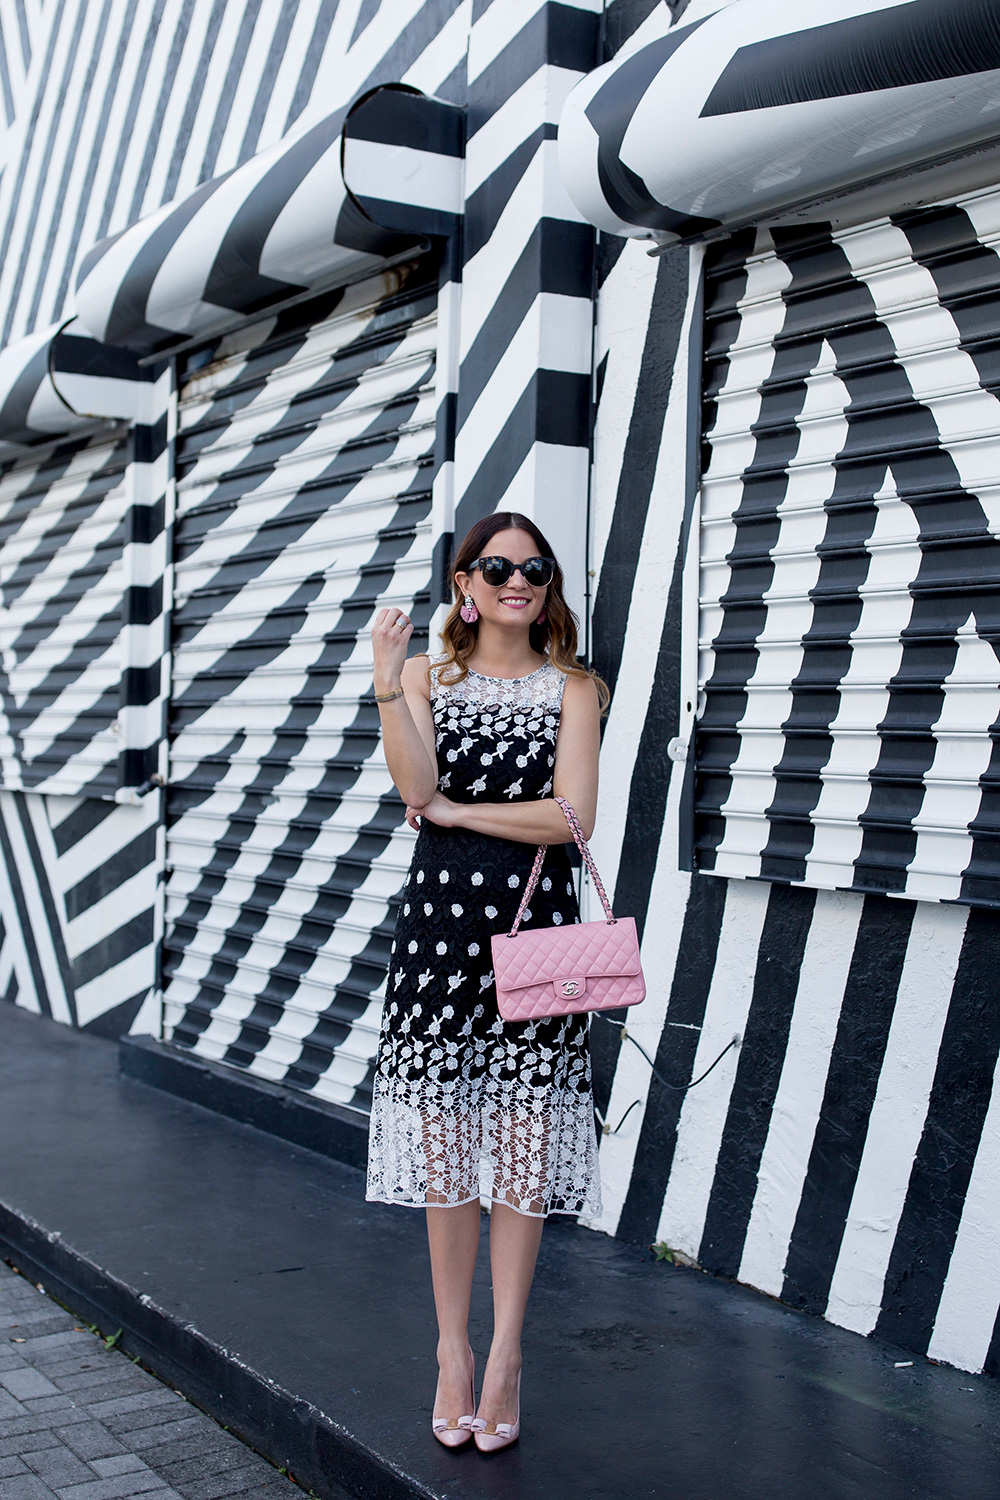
[
  {"x": 766, "y": 607},
  {"x": 770, "y": 466}
]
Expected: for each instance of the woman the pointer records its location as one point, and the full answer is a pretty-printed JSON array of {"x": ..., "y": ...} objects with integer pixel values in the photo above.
[{"x": 479, "y": 740}]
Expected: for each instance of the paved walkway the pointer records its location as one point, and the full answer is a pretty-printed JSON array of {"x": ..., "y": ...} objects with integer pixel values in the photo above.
[
  {"x": 82, "y": 1422},
  {"x": 253, "y": 1273}
]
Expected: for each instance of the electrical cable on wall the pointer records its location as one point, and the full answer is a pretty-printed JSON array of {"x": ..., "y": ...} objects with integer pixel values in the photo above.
[{"x": 677, "y": 1088}]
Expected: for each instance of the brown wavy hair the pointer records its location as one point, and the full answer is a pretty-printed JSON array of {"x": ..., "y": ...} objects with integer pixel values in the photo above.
[{"x": 555, "y": 638}]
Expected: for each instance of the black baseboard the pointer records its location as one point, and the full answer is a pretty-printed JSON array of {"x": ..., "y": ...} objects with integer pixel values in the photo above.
[
  {"x": 326, "y": 1128},
  {"x": 322, "y": 1455}
]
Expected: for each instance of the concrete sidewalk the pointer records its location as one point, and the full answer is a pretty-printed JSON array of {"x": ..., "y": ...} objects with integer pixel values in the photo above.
[
  {"x": 253, "y": 1276},
  {"x": 80, "y": 1421}
]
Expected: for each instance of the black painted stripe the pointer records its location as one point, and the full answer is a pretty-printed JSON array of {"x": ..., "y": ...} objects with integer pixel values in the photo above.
[
  {"x": 553, "y": 408},
  {"x": 231, "y": 281},
  {"x": 95, "y": 962},
  {"x": 131, "y": 114},
  {"x": 84, "y": 181},
  {"x": 227, "y": 91},
  {"x": 635, "y": 483},
  {"x": 269, "y": 75},
  {"x": 610, "y": 113},
  {"x": 675, "y": 1055},
  {"x": 393, "y": 116},
  {"x": 942, "y": 1168},
  {"x": 54, "y": 935},
  {"x": 852, "y": 1081},
  {"x": 85, "y": 817},
  {"x": 622, "y": 18},
  {"x": 555, "y": 259},
  {"x": 761, "y": 1057},
  {"x": 952, "y": 579},
  {"x": 16, "y": 406},
  {"x": 125, "y": 862},
  {"x": 922, "y": 42},
  {"x": 608, "y": 252},
  {"x": 744, "y": 613},
  {"x": 159, "y": 110},
  {"x": 23, "y": 33},
  {"x": 333, "y": 1025},
  {"x": 39, "y": 987},
  {"x": 192, "y": 103},
  {"x": 967, "y": 279},
  {"x": 126, "y": 323},
  {"x": 369, "y": 9},
  {"x": 40, "y": 173},
  {"x": 649, "y": 787},
  {"x": 992, "y": 1364},
  {"x": 117, "y": 1022},
  {"x": 559, "y": 35},
  {"x": 484, "y": 207},
  {"x": 310, "y": 64},
  {"x": 408, "y": 44},
  {"x": 95, "y": 487},
  {"x": 844, "y": 560},
  {"x": 31, "y": 127},
  {"x": 8, "y": 96}
]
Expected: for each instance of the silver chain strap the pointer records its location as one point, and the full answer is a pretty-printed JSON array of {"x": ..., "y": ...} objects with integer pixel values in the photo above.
[{"x": 569, "y": 813}]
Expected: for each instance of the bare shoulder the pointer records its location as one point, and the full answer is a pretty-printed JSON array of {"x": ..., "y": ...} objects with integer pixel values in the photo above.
[
  {"x": 580, "y": 693},
  {"x": 414, "y": 674}
]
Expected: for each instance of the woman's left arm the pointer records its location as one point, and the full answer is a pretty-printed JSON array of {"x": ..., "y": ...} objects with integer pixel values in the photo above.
[{"x": 574, "y": 777}]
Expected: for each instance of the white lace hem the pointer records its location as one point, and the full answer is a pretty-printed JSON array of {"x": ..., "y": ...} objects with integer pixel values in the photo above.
[{"x": 536, "y": 1156}]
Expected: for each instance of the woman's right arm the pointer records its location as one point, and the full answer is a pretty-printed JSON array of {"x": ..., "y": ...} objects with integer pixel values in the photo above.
[{"x": 407, "y": 722}]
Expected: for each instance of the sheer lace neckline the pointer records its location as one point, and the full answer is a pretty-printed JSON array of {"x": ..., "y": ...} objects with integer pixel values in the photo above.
[
  {"x": 527, "y": 678},
  {"x": 542, "y": 688}
]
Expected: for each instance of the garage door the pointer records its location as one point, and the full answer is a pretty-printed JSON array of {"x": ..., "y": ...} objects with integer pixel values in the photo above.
[
  {"x": 303, "y": 503},
  {"x": 850, "y": 562}
]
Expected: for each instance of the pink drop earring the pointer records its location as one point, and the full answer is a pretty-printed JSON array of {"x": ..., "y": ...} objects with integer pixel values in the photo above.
[
  {"x": 469, "y": 612},
  {"x": 540, "y": 619}
]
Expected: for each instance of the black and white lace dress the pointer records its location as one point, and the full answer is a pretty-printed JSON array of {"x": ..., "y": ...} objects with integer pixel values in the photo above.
[{"x": 466, "y": 1104}]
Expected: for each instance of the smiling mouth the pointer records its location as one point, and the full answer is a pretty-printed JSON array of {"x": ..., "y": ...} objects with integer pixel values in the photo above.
[{"x": 515, "y": 601}]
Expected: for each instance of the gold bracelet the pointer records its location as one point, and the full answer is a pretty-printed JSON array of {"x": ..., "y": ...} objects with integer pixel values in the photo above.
[{"x": 388, "y": 697}]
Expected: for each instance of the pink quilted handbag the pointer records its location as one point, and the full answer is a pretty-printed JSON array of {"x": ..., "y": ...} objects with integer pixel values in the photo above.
[{"x": 556, "y": 971}]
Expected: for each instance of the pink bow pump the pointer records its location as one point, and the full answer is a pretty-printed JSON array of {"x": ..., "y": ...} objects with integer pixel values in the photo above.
[
  {"x": 454, "y": 1431},
  {"x": 492, "y": 1436}
]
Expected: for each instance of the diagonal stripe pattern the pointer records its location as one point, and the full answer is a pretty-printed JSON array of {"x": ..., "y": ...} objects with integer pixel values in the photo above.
[
  {"x": 304, "y": 480},
  {"x": 62, "y": 582},
  {"x": 850, "y": 561}
]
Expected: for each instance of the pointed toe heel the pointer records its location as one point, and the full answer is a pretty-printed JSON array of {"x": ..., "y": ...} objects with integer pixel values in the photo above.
[
  {"x": 452, "y": 1431},
  {"x": 490, "y": 1437}
]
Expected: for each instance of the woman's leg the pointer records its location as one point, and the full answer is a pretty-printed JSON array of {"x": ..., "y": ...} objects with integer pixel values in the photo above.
[
  {"x": 514, "y": 1240},
  {"x": 453, "y": 1237}
]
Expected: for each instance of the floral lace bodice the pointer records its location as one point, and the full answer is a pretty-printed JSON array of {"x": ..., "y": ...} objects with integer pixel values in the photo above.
[{"x": 496, "y": 736}]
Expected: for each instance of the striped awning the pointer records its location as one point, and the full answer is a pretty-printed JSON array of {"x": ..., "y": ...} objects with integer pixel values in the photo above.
[
  {"x": 329, "y": 204},
  {"x": 58, "y": 381},
  {"x": 756, "y": 111}
]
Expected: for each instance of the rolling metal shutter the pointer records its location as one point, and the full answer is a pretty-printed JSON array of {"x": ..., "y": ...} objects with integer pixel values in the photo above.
[
  {"x": 849, "y": 730},
  {"x": 62, "y": 534},
  {"x": 303, "y": 504}
]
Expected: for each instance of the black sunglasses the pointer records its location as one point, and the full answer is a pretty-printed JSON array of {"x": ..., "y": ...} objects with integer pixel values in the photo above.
[{"x": 537, "y": 571}]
